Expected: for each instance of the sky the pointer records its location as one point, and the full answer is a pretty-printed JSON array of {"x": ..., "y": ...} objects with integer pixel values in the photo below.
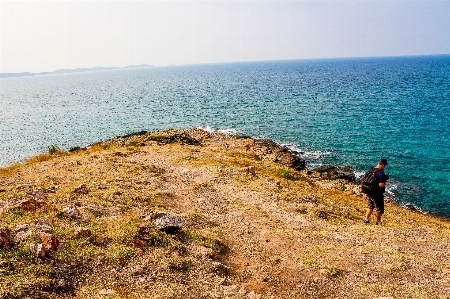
[{"x": 39, "y": 36}]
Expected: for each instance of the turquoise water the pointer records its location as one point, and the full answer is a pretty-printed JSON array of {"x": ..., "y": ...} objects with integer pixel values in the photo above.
[{"x": 338, "y": 111}]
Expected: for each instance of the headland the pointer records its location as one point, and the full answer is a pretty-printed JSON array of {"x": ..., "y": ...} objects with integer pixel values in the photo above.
[{"x": 194, "y": 214}]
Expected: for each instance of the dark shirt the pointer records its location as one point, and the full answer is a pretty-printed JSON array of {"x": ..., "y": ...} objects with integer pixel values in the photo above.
[{"x": 382, "y": 178}]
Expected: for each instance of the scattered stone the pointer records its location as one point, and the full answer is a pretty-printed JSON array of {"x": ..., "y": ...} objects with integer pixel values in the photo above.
[
  {"x": 37, "y": 194},
  {"x": 168, "y": 223},
  {"x": 43, "y": 228},
  {"x": 59, "y": 284},
  {"x": 82, "y": 232},
  {"x": 207, "y": 252},
  {"x": 29, "y": 204},
  {"x": 51, "y": 189},
  {"x": 82, "y": 189},
  {"x": 250, "y": 170},
  {"x": 5, "y": 242},
  {"x": 22, "y": 227},
  {"x": 220, "y": 268},
  {"x": 49, "y": 242},
  {"x": 24, "y": 186},
  {"x": 22, "y": 236},
  {"x": 102, "y": 187},
  {"x": 37, "y": 249},
  {"x": 72, "y": 212},
  {"x": 144, "y": 230}
]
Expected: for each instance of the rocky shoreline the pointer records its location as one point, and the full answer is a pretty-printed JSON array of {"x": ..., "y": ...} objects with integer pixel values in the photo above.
[{"x": 194, "y": 214}]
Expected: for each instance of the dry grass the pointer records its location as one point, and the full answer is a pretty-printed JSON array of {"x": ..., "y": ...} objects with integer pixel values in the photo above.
[{"x": 259, "y": 231}]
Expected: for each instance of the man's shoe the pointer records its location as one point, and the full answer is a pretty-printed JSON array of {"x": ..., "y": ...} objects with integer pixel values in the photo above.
[
  {"x": 379, "y": 223},
  {"x": 366, "y": 221}
]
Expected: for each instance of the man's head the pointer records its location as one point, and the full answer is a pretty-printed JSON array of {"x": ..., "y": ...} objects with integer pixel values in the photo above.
[{"x": 382, "y": 162}]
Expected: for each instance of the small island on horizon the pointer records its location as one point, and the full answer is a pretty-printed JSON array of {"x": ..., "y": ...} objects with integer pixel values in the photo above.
[{"x": 76, "y": 70}]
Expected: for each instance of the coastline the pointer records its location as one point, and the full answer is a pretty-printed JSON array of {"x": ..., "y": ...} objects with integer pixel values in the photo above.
[{"x": 255, "y": 224}]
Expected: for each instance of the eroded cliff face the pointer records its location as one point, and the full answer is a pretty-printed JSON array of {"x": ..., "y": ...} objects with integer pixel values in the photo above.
[{"x": 192, "y": 214}]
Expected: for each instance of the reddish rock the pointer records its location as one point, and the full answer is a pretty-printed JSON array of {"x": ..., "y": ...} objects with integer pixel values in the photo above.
[
  {"x": 138, "y": 243},
  {"x": 83, "y": 232},
  {"x": 144, "y": 230},
  {"x": 49, "y": 242},
  {"x": 82, "y": 189},
  {"x": 5, "y": 243},
  {"x": 59, "y": 284},
  {"x": 29, "y": 204}
]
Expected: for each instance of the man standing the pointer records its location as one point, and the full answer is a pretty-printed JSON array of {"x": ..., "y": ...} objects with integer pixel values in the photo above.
[{"x": 375, "y": 199}]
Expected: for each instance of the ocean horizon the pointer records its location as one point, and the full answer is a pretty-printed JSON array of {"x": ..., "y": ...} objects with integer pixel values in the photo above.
[{"x": 346, "y": 111}]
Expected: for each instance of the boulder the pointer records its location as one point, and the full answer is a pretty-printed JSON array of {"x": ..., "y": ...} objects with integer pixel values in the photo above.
[
  {"x": 82, "y": 189},
  {"x": 281, "y": 154},
  {"x": 49, "y": 242},
  {"x": 331, "y": 172},
  {"x": 29, "y": 204},
  {"x": 5, "y": 242},
  {"x": 168, "y": 223},
  {"x": 72, "y": 212},
  {"x": 82, "y": 232}
]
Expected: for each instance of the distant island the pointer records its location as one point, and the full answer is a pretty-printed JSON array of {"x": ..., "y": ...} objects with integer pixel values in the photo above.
[{"x": 77, "y": 70}]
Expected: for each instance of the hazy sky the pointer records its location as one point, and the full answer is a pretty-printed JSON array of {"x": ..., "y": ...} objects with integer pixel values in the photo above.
[{"x": 48, "y": 35}]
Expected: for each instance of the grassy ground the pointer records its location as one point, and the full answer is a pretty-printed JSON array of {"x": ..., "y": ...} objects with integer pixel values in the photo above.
[{"x": 252, "y": 228}]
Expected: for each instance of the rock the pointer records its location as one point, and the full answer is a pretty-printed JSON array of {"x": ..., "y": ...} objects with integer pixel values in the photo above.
[
  {"x": 37, "y": 194},
  {"x": 23, "y": 235},
  {"x": 138, "y": 243},
  {"x": 43, "y": 228},
  {"x": 24, "y": 186},
  {"x": 168, "y": 223},
  {"x": 250, "y": 170},
  {"x": 5, "y": 242},
  {"x": 207, "y": 252},
  {"x": 38, "y": 250},
  {"x": 71, "y": 212},
  {"x": 332, "y": 172},
  {"x": 59, "y": 284},
  {"x": 51, "y": 189},
  {"x": 144, "y": 230},
  {"x": 82, "y": 232},
  {"x": 82, "y": 189},
  {"x": 281, "y": 154},
  {"x": 49, "y": 242},
  {"x": 29, "y": 204}
]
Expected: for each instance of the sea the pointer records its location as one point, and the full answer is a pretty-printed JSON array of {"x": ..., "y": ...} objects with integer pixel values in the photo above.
[{"x": 348, "y": 111}]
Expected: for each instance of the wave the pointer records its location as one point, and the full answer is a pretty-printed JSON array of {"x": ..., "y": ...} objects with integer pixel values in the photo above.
[{"x": 218, "y": 130}]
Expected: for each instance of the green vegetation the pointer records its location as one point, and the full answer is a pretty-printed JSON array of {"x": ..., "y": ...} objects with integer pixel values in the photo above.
[{"x": 286, "y": 174}]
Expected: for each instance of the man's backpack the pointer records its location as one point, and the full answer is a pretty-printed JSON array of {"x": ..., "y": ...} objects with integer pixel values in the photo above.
[{"x": 369, "y": 181}]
